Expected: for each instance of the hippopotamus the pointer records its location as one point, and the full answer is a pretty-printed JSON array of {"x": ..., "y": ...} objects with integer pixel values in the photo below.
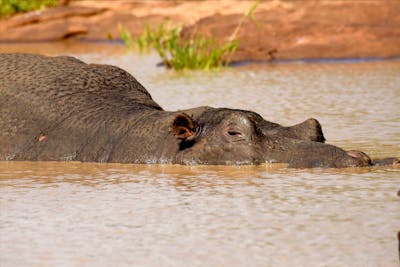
[{"x": 62, "y": 109}]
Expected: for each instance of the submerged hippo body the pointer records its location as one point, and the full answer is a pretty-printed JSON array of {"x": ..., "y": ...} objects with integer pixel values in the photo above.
[{"x": 59, "y": 108}]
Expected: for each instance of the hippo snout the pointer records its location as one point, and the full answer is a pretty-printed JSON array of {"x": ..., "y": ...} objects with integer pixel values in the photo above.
[
  {"x": 360, "y": 156},
  {"x": 361, "y": 160},
  {"x": 354, "y": 158}
]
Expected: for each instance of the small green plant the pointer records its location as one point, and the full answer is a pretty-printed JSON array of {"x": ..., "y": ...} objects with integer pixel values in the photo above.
[
  {"x": 151, "y": 36},
  {"x": 10, "y": 7},
  {"x": 196, "y": 52},
  {"x": 193, "y": 52},
  {"x": 125, "y": 35}
]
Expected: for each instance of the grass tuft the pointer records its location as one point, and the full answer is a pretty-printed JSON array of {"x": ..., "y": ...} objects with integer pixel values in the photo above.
[
  {"x": 195, "y": 52},
  {"x": 192, "y": 53},
  {"x": 125, "y": 35},
  {"x": 11, "y": 7}
]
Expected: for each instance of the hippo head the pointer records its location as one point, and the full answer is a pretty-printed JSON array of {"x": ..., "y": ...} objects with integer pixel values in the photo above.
[{"x": 224, "y": 136}]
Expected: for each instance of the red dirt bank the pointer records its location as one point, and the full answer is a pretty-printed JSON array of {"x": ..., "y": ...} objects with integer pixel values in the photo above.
[{"x": 283, "y": 29}]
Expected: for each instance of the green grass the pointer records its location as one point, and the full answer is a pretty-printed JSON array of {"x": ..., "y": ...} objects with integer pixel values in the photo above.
[
  {"x": 194, "y": 52},
  {"x": 125, "y": 35},
  {"x": 150, "y": 36},
  {"x": 177, "y": 53},
  {"x": 10, "y": 7}
]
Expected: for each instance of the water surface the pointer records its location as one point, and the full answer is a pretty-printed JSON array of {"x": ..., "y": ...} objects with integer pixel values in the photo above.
[{"x": 75, "y": 214}]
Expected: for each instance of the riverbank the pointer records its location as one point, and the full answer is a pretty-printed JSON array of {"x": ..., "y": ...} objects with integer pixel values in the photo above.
[{"x": 280, "y": 29}]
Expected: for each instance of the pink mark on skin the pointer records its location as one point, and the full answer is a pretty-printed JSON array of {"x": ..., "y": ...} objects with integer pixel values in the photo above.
[
  {"x": 41, "y": 138},
  {"x": 352, "y": 154}
]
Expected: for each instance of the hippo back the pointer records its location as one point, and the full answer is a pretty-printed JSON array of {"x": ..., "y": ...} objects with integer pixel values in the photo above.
[
  {"x": 64, "y": 83},
  {"x": 40, "y": 95}
]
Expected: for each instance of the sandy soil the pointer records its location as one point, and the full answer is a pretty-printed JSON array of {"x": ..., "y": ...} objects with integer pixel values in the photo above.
[{"x": 281, "y": 29}]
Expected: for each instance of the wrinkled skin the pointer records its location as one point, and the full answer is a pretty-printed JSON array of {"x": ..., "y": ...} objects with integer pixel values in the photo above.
[{"x": 61, "y": 109}]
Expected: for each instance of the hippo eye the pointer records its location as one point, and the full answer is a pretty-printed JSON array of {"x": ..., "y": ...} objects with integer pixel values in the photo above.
[
  {"x": 237, "y": 129},
  {"x": 234, "y": 133}
]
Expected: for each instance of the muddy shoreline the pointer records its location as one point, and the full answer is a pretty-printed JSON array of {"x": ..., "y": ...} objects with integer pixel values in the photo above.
[{"x": 281, "y": 30}]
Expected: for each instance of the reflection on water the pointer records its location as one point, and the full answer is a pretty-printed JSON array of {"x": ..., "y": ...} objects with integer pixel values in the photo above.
[{"x": 74, "y": 214}]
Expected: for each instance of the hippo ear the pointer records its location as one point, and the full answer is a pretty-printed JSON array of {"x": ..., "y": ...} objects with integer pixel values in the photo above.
[{"x": 184, "y": 127}]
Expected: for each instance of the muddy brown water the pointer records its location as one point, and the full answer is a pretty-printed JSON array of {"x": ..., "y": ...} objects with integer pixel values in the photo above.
[{"x": 80, "y": 214}]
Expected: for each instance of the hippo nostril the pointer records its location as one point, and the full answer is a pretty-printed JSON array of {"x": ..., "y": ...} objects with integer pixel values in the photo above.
[{"x": 360, "y": 156}]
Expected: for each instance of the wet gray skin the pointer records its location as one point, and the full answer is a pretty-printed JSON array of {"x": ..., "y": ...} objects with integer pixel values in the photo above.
[{"x": 61, "y": 109}]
